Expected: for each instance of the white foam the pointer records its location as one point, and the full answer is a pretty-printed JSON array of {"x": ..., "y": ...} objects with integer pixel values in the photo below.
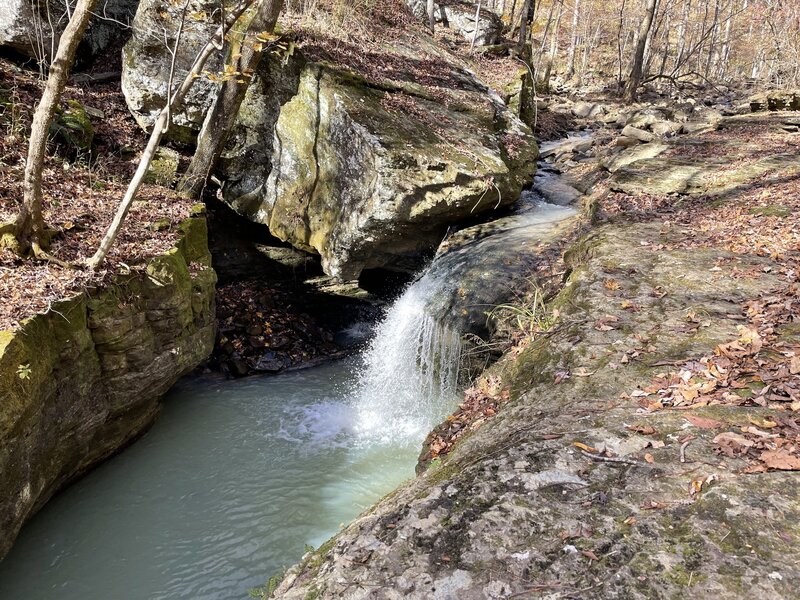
[{"x": 409, "y": 376}]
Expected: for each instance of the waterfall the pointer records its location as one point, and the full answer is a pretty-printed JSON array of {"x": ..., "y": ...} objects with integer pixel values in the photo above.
[{"x": 409, "y": 378}]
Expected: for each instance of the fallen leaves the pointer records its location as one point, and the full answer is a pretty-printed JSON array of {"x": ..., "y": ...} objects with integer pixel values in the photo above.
[
  {"x": 778, "y": 451},
  {"x": 653, "y": 505},
  {"x": 794, "y": 365},
  {"x": 606, "y": 323},
  {"x": 585, "y": 447},
  {"x": 696, "y": 485},
  {"x": 780, "y": 459},
  {"x": 266, "y": 326},
  {"x": 79, "y": 202},
  {"x": 482, "y": 400},
  {"x": 643, "y": 429},
  {"x": 732, "y": 444}
]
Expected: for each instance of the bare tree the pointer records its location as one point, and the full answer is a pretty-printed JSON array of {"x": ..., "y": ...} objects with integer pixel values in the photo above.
[
  {"x": 431, "y": 10},
  {"x": 638, "y": 57},
  {"x": 29, "y": 226},
  {"x": 245, "y": 57},
  {"x": 576, "y": 13},
  {"x": 477, "y": 26},
  {"x": 527, "y": 20},
  {"x": 160, "y": 127}
]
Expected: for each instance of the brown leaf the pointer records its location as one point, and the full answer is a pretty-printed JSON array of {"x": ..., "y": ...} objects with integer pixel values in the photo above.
[
  {"x": 560, "y": 376},
  {"x": 649, "y": 458},
  {"x": 643, "y": 429},
  {"x": 794, "y": 365},
  {"x": 582, "y": 372},
  {"x": 590, "y": 555},
  {"x": 756, "y": 468},
  {"x": 732, "y": 444},
  {"x": 703, "y": 422},
  {"x": 653, "y": 505},
  {"x": 781, "y": 459}
]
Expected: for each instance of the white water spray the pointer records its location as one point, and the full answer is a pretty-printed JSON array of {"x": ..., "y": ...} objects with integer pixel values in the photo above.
[{"x": 409, "y": 380}]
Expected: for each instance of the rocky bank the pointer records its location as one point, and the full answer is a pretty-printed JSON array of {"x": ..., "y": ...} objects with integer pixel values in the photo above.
[
  {"x": 84, "y": 379},
  {"x": 610, "y": 467}
]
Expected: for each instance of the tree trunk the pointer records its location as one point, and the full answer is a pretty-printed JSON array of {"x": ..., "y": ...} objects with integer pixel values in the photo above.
[
  {"x": 30, "y": 223},
  {"x": 726, "y": 43},
  {"x": 638, "y": 57},
  {"x": 620, "y": 45},
  {"x": 682, "y": 27},
  {"x": 551, "y": 59},
  {"x": 159, "y": 128},
  {"x": 431, "y": 9},
  {"x": 537, "y": 63},
  {"x": 527, "y": 21},
  {"x": 245, "y": 58},
  {"x": 477, "y": 26},
  {"x": 576, "y": 12}
]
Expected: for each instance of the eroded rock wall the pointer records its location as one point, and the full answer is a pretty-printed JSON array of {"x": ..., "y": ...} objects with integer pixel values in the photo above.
[{"x": 80, "y": 382}]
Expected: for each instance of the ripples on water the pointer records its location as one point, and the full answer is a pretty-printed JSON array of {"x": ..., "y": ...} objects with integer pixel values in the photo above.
[{"x": 237, "y": 477}]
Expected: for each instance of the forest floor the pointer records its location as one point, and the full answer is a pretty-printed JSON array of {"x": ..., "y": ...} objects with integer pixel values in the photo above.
[{"x": 81, "y": 194}]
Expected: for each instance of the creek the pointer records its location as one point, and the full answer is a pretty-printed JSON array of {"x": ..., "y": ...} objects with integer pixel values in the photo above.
[
  {"x": 236, "y": 478},
  {"x": 228, "y": 488}
]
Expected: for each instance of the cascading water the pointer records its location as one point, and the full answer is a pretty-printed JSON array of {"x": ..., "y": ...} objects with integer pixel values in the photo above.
[
  {"x": 236, "y": 477},
  {"x": 409, "y": 377}
]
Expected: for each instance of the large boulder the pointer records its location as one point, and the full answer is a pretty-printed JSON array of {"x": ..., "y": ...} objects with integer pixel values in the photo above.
[
  {"x": 365, "y": 184},
  {"x": 364, "y": 173},
  {"x": 33, "y": 27},
  {"x": 146, "y": 64},
  {"x": 460, "y": 16},
  {"x": 775, "y": 100}
]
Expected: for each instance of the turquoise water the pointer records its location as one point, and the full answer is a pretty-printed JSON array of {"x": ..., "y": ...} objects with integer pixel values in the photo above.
[{"x": 229, "y": 486}]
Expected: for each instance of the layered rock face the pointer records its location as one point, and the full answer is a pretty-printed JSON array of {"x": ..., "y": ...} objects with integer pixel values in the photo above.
[
  {"x": 776, "y": 100},
  {"x": 365, "y": 173},
  {"x": 83, "y": 380},
  {"x": 34, "y": 26}
]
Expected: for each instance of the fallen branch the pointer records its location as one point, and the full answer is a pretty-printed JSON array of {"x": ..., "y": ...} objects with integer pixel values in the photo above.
[{"x": 611, "y": 459}]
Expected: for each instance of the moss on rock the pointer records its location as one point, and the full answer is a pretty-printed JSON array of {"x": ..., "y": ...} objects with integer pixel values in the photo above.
[{"x": 80, "y": 381}]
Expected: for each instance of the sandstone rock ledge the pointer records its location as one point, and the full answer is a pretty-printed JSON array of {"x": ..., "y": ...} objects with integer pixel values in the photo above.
[
  {"x": 517, "y": 510},
  {"x": 81, "y": 381}
]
